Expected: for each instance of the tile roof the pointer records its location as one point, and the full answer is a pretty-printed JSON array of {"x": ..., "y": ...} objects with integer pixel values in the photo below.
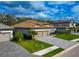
[
  {"x": 33, "y": 24},
  {"x": 2, "y": 26}
]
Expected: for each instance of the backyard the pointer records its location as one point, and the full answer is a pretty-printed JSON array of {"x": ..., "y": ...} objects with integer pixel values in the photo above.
[
  {"x": 67, "y": 36},
  {"x": 33, "y": 45}
]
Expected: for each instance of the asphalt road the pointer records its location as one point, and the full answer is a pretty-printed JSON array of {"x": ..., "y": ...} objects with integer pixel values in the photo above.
[{"x": 71, "y": 52}]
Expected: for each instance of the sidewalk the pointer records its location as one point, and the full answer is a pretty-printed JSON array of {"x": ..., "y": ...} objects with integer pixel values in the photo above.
[
  {"x": 45, "y": 51},
  {"x": 75, "y": 40}
]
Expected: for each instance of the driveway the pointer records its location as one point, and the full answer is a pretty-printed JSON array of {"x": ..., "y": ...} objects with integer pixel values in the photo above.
[
  {"x": 10, "y": 49},
  {"x": 56, "y": 41}
]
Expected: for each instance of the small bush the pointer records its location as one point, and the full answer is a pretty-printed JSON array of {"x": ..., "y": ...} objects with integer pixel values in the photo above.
[{"x": 18, "y": 36}]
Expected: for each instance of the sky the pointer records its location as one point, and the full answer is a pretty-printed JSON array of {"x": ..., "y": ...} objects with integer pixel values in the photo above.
[{"x": 52, "y": 10}]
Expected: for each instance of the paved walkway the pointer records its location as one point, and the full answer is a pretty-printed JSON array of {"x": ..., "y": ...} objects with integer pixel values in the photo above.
[
  {"x": 10, "y": 49},
  {"x": 56, "y": 41},
  {"x": 45, "y": 51},
  {"x": 75, "y": 40}
]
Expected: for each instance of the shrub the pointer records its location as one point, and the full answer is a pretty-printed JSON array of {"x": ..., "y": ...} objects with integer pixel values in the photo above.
[{"x": 18, "y": 36}]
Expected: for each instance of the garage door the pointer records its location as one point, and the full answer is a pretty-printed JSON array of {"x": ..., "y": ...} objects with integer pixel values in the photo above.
[
  {"x": 43, "y": 33},
  {"x": 4, "y": 37},
  {"x": 40, "y": 33}
]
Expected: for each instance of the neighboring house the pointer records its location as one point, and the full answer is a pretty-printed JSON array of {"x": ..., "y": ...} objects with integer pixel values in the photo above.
[
  {"x": 63, "y": 25},
  {"x": 6, "y": 32},
  {"x": 42, "y": 28},
  {"x": 77, "y": 28}
]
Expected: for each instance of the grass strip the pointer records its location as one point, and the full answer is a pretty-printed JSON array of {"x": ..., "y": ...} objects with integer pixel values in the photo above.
[{"x": 54, "y": 52}]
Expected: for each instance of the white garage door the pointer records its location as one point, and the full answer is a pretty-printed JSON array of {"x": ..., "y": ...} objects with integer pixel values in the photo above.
[
  {"x": 43, "y": 33},
  {"x": 4, "y": 37}
]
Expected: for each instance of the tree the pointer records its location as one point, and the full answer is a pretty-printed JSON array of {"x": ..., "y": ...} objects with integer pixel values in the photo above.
[
  {"x": 32, "y": 33},
  {"x": 19, "y": 35},
  {"x": 8, "y": 19}
]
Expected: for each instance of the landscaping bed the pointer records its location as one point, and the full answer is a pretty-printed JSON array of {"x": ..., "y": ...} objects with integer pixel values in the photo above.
[
  {"x": 67, "y": 36},
  {"x": 33, "y": 45},
  {"x": 54, "y": 52}
]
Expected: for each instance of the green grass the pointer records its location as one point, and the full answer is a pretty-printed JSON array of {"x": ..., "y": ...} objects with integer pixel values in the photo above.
[
  {"x": 67, "y": 36},
  {"x": 33, "y": 45},
  {"x": 54, "y": 52}
]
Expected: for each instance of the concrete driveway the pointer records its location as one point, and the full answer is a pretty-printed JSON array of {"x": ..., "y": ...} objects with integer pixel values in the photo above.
[
  {"x": 56, "y": 41},
  {"x": 10, "y": 49}
]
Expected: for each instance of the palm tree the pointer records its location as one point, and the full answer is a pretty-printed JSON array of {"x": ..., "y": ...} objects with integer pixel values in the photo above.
[{"x": 32, "y": 33}]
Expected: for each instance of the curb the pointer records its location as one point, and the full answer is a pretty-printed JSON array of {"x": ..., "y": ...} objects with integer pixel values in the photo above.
[{"x": 63, "y": 52}]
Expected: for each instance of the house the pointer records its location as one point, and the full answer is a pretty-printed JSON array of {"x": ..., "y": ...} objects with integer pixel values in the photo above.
[
  {"x": 6, "y": 32},
  {"x": 42, "y": 28},
  {"x": 62, "y": 25}
]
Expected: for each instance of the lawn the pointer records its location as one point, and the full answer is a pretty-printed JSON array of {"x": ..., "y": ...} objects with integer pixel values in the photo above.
[
  {"x": 67, "y": 36},
  {"x": 33, "y": 45},
  {"x": 54, "y": 52}
]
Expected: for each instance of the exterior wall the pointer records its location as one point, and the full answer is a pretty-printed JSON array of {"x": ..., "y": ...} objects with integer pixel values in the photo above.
[
  {"x": 60, "y": 29},
  {"x": 24, "y": 30},
  {"x": 72, "y": 25},
  {"x": 50, "y": 30},
  {"x": 9, "y": 31}
]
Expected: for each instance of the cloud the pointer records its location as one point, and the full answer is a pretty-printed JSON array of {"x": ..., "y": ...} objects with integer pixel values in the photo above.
[
  {"x": 75, "y": 8},
  {"x": 40, "y": 9},
  {"x": 61, "y": 2},
  {"x": 25, "y": 4},
  {"x": 30, "y": 16},
  {"x": 19, "y": 8},
  {"x": 38, "y": 5},
  {"x": 42, "y": 14},
  {"x": 54, "y": 10},
  {"x": 8, "y": 2},
  {"x": 51, "y": 11}
]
